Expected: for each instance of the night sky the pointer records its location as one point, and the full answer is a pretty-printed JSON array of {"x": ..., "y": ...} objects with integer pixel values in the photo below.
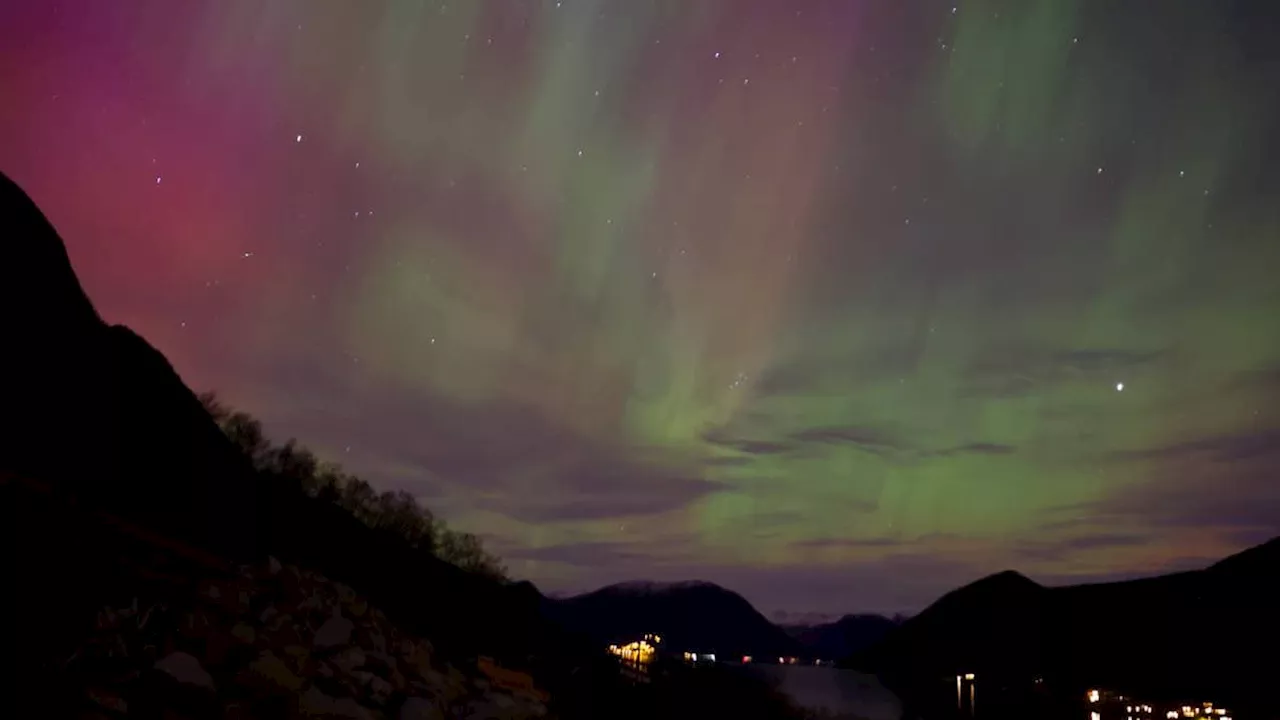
[{"x": 838, "y": 304}]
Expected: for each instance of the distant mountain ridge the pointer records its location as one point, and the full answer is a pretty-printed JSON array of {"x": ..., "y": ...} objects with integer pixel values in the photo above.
[
  {"x": 844, "y": 637},
  {"x": 693, "y": 616},
  {"x": 1138, "y": 636}
]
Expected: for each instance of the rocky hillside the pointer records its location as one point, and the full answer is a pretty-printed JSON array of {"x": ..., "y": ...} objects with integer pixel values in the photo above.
[{"x": 277, "y": 641}]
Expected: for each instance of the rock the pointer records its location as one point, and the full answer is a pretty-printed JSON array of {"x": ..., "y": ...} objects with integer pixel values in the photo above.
[
  {"x": 268, "y": 614},
  {"x": 210, "y": 590},
  {"x": 185, "y": 669},
  {"x": 348, "y": 660},
  {"x": 349, "y": 708},
  {"x": 315, "y": 702},
  {"x": 420, "y": 660},
  {"x": 398, "y": 682},
  {"x": 271, "y": 671},
  {"x": 109, "y": 700},
  {"x": 334, "y": 632},
  {"x": 244, "y": 633},
  {"x": 417, "y": 708},
  {"x": 378, "y": 642},
  {"x": 379, "y": 690}
]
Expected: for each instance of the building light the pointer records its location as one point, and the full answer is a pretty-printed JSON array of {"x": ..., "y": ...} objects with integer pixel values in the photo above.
[
  {"x": 1095, "y": 716},
  {"x": 1094, "y": 696},
  {"x": 968, "y": 676}
]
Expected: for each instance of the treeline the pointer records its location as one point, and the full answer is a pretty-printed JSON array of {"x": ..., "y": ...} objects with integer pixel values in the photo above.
[{"x": 398, "y": 512}]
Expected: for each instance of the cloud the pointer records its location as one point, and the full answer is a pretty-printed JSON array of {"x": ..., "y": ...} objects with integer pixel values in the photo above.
[
  {"x": 723, "y": 438},
  {"x": 819, "y": 543},
  {"x": 1223, "y": 483},
  {"x": 656, "y": 494},
  {"x": 1220, "y": 448},
  {"x": 980, "y": 448},
  {"x": 1102, "y": 360},
  {"x": 1018, "y": 371},
  {"x": 586, "y": 555},
  {"x": 726, "y": 461},
  {"x": 1055, "y": 550},
  {"x": 865, "y": 438}
]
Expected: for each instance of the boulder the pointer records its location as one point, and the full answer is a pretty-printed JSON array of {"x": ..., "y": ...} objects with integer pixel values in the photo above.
[{"x": 186, "y": 669}]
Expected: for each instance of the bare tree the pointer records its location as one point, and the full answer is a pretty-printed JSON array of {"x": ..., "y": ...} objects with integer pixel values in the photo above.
[{"x": 397, "y": 512}]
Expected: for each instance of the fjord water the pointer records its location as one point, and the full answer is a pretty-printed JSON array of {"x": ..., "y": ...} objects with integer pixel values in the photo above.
[{"x": 838, "y": 692}]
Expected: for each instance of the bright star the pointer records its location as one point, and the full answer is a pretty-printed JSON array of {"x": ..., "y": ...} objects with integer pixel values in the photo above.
[{"x": 1119, "y": 387}]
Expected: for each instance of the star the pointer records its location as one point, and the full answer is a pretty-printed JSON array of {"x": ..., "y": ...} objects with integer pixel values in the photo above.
[
  {"x": 298, "y": 139},
  {"x": 1120, "y": 387},
  {"x": 158, "y": 178}
]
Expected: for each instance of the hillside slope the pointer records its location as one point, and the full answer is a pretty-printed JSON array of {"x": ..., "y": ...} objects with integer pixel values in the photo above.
[
  {"x": 1139, "y": 636},
  {"x": 113, "y": 466}
]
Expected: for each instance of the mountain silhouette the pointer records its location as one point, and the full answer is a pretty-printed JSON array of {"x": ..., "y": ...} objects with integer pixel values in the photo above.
[
  {"x": 104, "y": 444},
  {"x": 838, "y": 640},
  {"x": 692, "y": 616},
  {"x": 1201, "y": 633},
  {"x": 100, "y": 412}
]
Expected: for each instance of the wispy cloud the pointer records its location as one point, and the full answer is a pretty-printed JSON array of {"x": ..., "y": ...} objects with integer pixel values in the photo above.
[
  {"x": 978, "y": 448},
  {"x": 1018, "y": 371},
  {"x": 723, "y": 438},
  {"x": 820, "y": 543},
  {"x": 1220, "y": 448},
  {"x": 868, "y": 439}
]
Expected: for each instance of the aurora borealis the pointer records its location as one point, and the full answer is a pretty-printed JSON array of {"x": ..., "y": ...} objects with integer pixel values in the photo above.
[{"x": 838, "y": 304}]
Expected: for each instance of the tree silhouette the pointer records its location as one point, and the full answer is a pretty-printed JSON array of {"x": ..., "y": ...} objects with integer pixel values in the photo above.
[{"x": 397, "y": 512}]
